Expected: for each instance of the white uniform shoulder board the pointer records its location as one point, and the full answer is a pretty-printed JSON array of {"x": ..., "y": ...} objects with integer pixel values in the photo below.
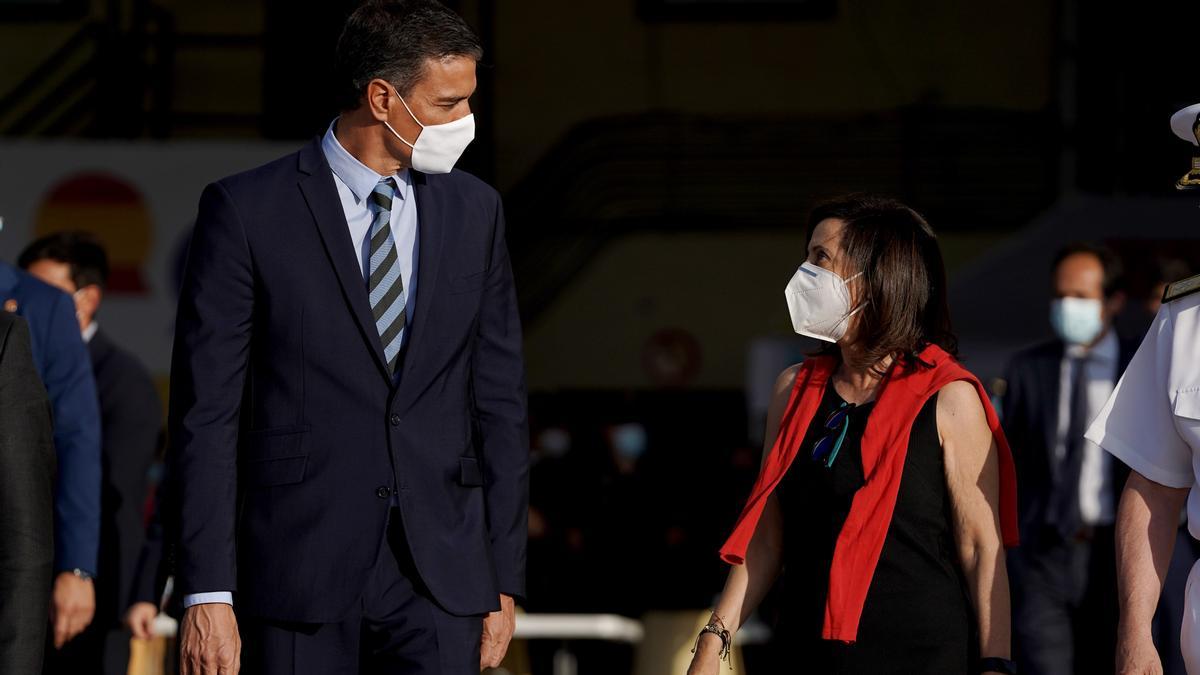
[{"x": 1181, "y": 288}]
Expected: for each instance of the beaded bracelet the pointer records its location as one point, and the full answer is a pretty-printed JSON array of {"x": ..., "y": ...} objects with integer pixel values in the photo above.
[{"x": 716, "y": 626}]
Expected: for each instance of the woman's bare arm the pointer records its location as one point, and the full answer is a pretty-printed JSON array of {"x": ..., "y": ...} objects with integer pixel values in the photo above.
[
  {"x": 748, "y": 584},
  {"x": 973, "y": 481}
]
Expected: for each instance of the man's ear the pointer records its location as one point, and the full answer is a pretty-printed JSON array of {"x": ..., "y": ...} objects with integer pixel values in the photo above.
[
  {"x": 88, "y": 299},
  {"x": 379, "y": 98}
]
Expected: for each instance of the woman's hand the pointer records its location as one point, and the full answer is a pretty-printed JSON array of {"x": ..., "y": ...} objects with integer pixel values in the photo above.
[
  {"x": 748, "y": 584},
  {"x": 707, "y": 660}
]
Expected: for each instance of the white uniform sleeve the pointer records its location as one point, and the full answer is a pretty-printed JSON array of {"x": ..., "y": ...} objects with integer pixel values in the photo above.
[{"x": 1137, "y": 425}]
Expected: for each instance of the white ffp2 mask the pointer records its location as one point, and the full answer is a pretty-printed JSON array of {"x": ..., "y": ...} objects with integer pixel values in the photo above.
[
  {"x": 819, "y": 302},
  {"x": 440, "y": 145}
]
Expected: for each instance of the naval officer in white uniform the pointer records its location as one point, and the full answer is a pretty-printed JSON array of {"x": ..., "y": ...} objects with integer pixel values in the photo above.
[{"x": 1152, "y": 424}]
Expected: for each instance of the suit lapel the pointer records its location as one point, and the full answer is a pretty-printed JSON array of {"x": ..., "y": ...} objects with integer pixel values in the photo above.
[
  {"x": 1049, "y": 377},
  {"x": 99, "y": 347},
  {"x": 431, "y": 237},
  {"x": 325, "y": 205}
]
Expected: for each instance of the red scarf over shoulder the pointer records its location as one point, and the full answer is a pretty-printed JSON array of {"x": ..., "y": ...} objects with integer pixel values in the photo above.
[{"x": 884, "y": 447}]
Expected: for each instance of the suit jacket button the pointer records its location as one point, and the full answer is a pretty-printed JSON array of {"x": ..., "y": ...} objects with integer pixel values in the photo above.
[
  {"x": 383, "y": 492},
  {"x": 395, "y": 420}
]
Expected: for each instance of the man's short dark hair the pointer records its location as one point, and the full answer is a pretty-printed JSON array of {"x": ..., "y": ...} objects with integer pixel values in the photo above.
[
  {"x": 391, "y": 40},
  {"x": 80, "y": 251},
  {"x": 1110, "y": 262}
]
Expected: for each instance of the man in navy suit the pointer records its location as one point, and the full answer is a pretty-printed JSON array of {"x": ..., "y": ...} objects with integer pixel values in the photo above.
[
  {"x": 62, "y": 361},
  {"x": 1064, "y": 575},
  {"x": 349, "y": 447},
  {"x": 131, "y": 416}
]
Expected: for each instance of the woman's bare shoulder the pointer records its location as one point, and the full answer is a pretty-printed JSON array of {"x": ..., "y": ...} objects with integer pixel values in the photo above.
[
  {"x": 960, "y": 411},
  {"x": 786, "y": 380}
]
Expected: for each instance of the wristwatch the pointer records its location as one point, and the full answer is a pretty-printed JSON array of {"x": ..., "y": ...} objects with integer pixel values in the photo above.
[
  {"x": 996, "y": 665},
  {"x": 81, "y": 574}
]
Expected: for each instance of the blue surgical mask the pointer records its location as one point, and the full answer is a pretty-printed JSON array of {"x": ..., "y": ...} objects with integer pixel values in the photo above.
[
  {"x": 1077, "y": 321},
  {"x": 629, "y": 440},
  {"x": 554, "y": 442}
]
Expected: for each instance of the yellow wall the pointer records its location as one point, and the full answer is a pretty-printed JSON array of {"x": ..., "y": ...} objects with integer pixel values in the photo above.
[
  {"x": 560, "y": 63},
  {"x": 206, "y": 80}
]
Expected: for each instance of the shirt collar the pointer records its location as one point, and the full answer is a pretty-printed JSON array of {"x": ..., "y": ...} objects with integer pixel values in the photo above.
[
  {"x": 1105, "y": 351},
  {"x": 357, "y": 176},
  {"x": 90, "y": 331}
]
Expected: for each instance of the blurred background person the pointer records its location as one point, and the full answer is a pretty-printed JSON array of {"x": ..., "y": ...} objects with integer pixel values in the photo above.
[
  {"x": 66, "y": 371},
  {"x": 130, "y": 422},
  {"x": 26, "y": 502},
  {"x": 887, "y": 491},
  {"x": 1063, "y": 575},
  {"x": 1167, "y": 271},
  {"x": 151, "y": 580}
]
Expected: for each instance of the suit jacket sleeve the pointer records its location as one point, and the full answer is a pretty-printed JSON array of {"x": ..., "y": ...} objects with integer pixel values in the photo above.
[
  {"x": 26, "y": 504},
  {"x": 131, "y": 432},
  {"x": 72, "y": 390},
  {"x": 498, "y": 384},
  {"x": 212, "y": 343}
]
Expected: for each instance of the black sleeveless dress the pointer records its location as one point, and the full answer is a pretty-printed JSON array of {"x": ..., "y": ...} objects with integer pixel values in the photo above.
[{"x": 917, "y": 617}]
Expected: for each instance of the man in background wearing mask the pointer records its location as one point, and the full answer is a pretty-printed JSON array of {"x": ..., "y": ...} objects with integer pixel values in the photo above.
[
  {"x": 130, "y": 420},
  {"x": 66, "y": 371},
  {"x": 349, "y": 449},
  {"x": 1063, "y": 576}
]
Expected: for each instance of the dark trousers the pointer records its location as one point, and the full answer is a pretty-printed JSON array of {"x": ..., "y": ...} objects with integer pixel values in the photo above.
[
  {"x": 1065, "y": 605},
  {"x": 395, "y": 629},
  {"x": 98, "y": 650}
]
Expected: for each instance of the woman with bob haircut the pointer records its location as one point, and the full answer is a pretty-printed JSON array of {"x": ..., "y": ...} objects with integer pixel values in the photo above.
[{"x": 887, "y": 490}]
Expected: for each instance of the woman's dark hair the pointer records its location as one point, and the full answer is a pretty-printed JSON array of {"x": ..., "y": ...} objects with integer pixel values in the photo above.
[
  {"x": 391, "y": 40},
  {"x": 903, "y": 275}
]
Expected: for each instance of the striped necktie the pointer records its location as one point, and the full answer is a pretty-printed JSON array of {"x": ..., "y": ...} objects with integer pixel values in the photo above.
[{"x": 385, "y": 285}]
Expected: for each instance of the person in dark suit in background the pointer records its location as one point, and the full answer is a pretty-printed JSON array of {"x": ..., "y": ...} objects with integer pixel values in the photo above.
[
  {"x": 130, "y": 423},
  {"x": 149, "y": 594},
  {"x": 348, "y": 439},
  {"x": 26, "y": 502},
  {"x": 66, "y": 371},
  {"x": 1063, "y": 575}
]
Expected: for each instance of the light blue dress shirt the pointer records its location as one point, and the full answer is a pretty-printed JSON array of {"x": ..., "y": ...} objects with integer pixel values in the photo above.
[{"x": 354, "y": 182}]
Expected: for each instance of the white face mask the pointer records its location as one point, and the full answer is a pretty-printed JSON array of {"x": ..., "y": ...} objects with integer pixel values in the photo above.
[
  {"x": 819, "y": 302},
  {"x": 440, "y": 145},
  {"x": 1077, "y": 321}
]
